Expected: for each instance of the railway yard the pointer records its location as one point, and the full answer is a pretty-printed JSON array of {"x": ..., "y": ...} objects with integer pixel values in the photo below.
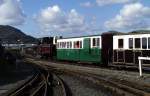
[
  {"x": 39, "y": 77},
  {"x": 75, "y": 48},
  {"x": 53, "y": 78},
  {"x": 86, "y": 81}
]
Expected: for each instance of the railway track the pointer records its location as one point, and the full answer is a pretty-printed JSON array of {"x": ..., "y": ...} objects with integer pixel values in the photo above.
[
  {"x": 115, "y": 86},
  {"x": 64, "y": 89},
  {"x": 88, "y": 64},
  {"x": 118, "y": 87},
  {"x": 36, "y": 85},
  {"x": 41, "y": 84}
]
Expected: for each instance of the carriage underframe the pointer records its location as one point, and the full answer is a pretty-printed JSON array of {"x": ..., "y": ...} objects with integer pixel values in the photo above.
[{"x": 130, "y": 57}]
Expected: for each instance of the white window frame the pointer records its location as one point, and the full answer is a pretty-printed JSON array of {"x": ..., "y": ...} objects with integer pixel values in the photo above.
[
  {"x": 80, "y": 47},
  {"x": 96, "y": 43},
  {"x": 118, "y": 43},
  {"x": 140, "y": 44}
]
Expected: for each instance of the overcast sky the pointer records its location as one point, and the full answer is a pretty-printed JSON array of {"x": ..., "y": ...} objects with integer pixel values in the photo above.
[{"x": 75, "y": 17}]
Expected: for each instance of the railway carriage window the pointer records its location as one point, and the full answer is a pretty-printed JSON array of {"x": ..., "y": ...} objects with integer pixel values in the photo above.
[
  {"x": 74, "y": 44},
  {"x": 80, "y": 44},
  {"x": 64, "y": 44},
  {"x": 60, "y": 45},
  {"x": 77, "y": 44},
  {"x": 94, "y": 41},
  {"x": 70, "y": 44},
  {"x": 98, "y": 41},
  {"x": 130, "y": 43},
  {"x": 120, "y": 43},
  {"x": 148, "y": 42},
  {"x": 137, "y": 43},
  {"x": 67, "y": 44},
  {"x": 144, "y": 43}
]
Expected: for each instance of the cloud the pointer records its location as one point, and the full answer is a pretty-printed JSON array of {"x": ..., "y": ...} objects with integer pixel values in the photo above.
[
  {"x": 11, "y": 13},
  {"x": 53, "y": 19},
  {"x": 86, "y": 4},
  {"x": 109, "y": 2},
  {"x": 131, "y": 16}
]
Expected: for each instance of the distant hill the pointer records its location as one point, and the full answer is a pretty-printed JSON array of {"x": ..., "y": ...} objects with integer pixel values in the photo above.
[
  {"x": 125, "y": 33},
  {"x": 9, "y": 34},
  {"x": 140, "y": 31}
]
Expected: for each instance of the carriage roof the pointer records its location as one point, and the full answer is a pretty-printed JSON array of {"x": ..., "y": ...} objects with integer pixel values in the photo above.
[
  {"x": 80, "y": 37},
  {"x": 113, "y": 33}
]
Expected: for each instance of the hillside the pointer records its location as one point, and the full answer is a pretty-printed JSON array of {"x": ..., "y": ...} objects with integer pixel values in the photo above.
[
  {"x": 140, "y": 31},
  {"x": 9, "y": 34}
]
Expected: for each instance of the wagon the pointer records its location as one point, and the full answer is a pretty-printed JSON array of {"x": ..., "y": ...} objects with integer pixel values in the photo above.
[{"x": 81, "y": 49}]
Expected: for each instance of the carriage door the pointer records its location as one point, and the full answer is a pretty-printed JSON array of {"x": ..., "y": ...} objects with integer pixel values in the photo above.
[
  {"x": 107, "y": 48},
  {"x": 121, "y": 55},
  {"x": 137, "y": 51},
  {"x": 87, "y": 45}
]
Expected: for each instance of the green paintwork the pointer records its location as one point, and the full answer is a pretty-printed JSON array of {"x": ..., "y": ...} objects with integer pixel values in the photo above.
[
  {"x": 83, "y": 55},
  {"x": 86, "y": 44},
  {"x": 94, "y": 55}
]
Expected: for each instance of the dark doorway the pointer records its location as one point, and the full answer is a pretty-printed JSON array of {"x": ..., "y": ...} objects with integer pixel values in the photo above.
[{"x": 107, "y": 48}]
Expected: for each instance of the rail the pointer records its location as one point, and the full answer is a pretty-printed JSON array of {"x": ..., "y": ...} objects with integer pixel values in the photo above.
[
  {"x": 36, "y": 85},
  {"x": 41, "y": 84},
  {"x": 128, "y": 87},
  {"x": 60, "y": 82},
  {"x": 112, "y": 84}
]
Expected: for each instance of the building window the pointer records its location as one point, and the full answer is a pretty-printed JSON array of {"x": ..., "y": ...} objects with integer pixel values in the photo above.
[
  {"x": 137, "y": 43},
  {"x": 96, "y": 42},
  {"x": 148, "y": 42},
  {"x": 120, "y": 43},
  {"x": 130, "y": 43},
  {"x": 144, "y": 43}
]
